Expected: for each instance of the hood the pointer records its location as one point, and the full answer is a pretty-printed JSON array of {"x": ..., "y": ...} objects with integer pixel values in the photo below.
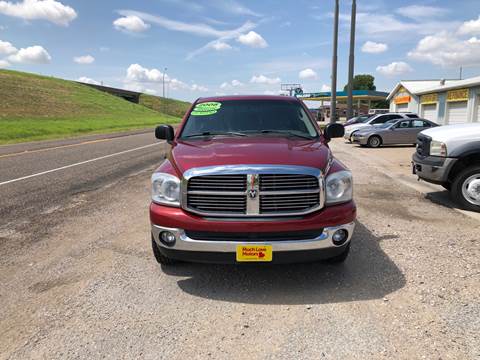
[
  {"x": 454, "y": 132},
  {"x": 351, "y": 128},
  {"x": 263, "y": 150}
]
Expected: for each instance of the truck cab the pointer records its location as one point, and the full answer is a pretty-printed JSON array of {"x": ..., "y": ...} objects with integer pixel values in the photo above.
[
  {"x": 251, "y": 179},
  {"x": 450, "y": 156}
]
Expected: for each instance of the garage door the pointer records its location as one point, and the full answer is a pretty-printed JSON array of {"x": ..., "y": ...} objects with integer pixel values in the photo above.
[
  {"x": 429, "y": 112},
  {"x": 402, "y": 107},
  {"x": 457, "y": 112}
]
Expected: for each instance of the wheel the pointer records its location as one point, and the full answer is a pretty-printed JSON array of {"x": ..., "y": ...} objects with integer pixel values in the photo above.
[
  {"x": 351, "y": 137},
  {"x": 374, "y": 141},
  {"x": 340, "y": 258},
  {"x": 161, "y": 259},
  {"x": 466, "y": 188}
]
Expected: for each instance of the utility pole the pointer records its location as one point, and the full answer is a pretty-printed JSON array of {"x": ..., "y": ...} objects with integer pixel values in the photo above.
[
  {"x": 163, "y": 82},
  {"x": 351, "y": 61},
  {"x": 333, "y": 98}
]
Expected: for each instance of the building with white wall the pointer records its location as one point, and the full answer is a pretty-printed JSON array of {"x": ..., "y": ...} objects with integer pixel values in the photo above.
[{"x": 442, "y": 101}]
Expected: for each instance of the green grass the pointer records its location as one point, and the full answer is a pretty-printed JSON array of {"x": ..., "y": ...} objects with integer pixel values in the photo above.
[
  {"x": 167, "y": 106},
  {"x": 34, "y": 107}
]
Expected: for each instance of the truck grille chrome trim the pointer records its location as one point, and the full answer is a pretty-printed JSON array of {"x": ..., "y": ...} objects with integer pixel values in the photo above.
[{"x": 252, "y": 190}]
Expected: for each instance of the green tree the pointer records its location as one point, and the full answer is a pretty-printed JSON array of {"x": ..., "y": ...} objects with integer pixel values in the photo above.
[{"x": 363, "y": 82}]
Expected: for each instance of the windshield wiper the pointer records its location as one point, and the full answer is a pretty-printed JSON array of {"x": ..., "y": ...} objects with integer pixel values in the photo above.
[
  {"x": 286, "y": 132},
  {"x": 215, "y": 133}
]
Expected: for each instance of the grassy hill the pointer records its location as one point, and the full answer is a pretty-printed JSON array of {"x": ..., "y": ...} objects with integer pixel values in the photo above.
[
  {"x": 167, "y": 106},
  {"x": 34, "y": 107}
]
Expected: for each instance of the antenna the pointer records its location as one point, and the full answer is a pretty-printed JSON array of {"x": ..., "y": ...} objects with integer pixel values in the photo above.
[{"x": 461, "y": 70}]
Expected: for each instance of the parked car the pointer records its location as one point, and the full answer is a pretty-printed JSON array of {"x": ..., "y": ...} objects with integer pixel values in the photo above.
[
  {"x": 396, "y": 132},
  {"x": 251, "y": 179},
  {"x": 357, "y": 120},
  {"x": 376, "y": 120},
  {"x": 450, "y": 156}
]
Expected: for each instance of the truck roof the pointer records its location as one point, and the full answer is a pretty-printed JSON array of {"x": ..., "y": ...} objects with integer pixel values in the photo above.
[{"x": 247, "y": 97}]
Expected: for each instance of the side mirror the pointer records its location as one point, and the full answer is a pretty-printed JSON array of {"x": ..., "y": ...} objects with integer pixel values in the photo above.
[
  {"x": 165, "y": 132},
  {"x": 334, "y": 131}
]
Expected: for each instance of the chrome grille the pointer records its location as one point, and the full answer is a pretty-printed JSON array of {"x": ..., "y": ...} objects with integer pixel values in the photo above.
[
  {"x": 281, "y": 182},
  {"x": 218, "y": 183},
  {"x": 288, "y": 203},
  {"x": 252, "y": 190}
]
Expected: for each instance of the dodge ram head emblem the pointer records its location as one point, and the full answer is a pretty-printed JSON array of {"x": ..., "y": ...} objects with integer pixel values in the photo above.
[{"x": 252, "y": 194}]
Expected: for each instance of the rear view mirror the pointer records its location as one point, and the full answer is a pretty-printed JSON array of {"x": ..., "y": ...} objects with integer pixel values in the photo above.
[
  {"x": 334, "y": 131},
  {"x": 165, "y": 132}
]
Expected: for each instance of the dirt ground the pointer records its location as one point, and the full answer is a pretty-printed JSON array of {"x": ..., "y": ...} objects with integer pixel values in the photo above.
[{"x": 90, "y": 288}]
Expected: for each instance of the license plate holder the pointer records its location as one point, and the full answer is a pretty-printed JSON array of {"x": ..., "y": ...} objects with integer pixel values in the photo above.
[{"x": 254, "y": 253}]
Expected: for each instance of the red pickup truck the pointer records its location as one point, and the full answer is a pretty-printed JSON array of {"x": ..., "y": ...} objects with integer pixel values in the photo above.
[{"x": 251, "y": 179}]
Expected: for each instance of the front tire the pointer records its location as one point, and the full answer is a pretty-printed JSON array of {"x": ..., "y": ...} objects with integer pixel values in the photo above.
[
  {"x": 161, "y": 259},
  {"x": 341, "y": 257},
  {"x": 466, "y": 188},
  {"x": 374, "y": 141}
]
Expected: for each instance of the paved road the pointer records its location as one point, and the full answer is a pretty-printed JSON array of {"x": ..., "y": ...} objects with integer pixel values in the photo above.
[
  {"x": 38, "y": 180},
  {"x": 88, "y": 287}
]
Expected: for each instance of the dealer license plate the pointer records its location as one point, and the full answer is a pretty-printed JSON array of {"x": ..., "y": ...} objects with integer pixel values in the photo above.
[{"x": 246, "y": 253}]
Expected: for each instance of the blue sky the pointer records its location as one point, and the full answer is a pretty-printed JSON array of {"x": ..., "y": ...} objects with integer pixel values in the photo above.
[{"x": 236, "y": 46}]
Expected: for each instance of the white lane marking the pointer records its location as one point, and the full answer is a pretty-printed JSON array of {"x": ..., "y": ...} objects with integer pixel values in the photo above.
[{"x": 77, "y": 164}]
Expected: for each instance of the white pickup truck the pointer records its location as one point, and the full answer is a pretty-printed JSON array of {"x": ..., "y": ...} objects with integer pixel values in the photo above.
[{"x": 450, "y": 156}]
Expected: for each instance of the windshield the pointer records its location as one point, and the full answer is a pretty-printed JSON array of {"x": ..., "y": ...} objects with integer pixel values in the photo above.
[
  {"x": 364, "y": 119},
  {"x": 245, "y": 117}
]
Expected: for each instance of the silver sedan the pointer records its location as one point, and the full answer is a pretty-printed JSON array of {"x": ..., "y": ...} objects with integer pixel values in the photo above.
[{"x": 394, "y": 132}]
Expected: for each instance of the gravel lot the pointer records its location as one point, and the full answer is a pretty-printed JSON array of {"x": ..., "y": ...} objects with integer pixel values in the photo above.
[{"x": 90, "y": 288}]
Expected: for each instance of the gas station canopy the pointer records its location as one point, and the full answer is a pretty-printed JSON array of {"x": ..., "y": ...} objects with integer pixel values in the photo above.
[{"x": 368, "y": 95}]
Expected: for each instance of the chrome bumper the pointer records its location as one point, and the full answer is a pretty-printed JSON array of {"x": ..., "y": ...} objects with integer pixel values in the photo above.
[{"x": 185, "y": 243}]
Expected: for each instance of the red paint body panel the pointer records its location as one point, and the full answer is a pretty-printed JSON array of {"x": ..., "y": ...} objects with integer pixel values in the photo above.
[
  {"x": 178, "y": 218},
  {"x": 265, "y": 149}
]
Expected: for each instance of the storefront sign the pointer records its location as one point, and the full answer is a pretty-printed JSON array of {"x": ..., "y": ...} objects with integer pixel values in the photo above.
[
  {"x": 429, "y": 99},
  {"x": 457, "y": 95},
  {"x": 402, "y": 99}
]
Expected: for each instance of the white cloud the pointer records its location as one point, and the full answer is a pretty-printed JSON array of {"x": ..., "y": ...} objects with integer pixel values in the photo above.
[
  {"x": 471, "y": 27},
  {"x": 446, "y": 49},
  {"x": 262, "y": 79},
  {"x": 372, "y": 47},
  {"x": 84, "y": 60},
  {"x": 130, "y": 23},
  {"x": 4, "y": 64},
  {"x": 384, "y": 25},
  {"x": 31, "y": 55},
  {"x": 51, "y": 10},
  {"x": 307, "y": 74},
  {"x": 233, "y": 7},
  {"x": 220, "y": 46},
  {"x": 7, "y": 48},
  {"x": 420, "y": 12},
  {"x": 252, "y": 39},
  {"x": 232, "y": 84},
  {"x": 395, "y": 69},
  {"x": 137, "y": 76},
  {"x": 87, "y": 80},
  {"x": 325, "y": 87},
  {"x": 200, "y": 88}
]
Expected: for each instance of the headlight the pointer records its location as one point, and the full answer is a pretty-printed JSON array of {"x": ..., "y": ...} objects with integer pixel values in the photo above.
[
  {"x": 438, "y": 148},
  {"x": 166, "y": 189},
  {"x": 339, "y": 187}
]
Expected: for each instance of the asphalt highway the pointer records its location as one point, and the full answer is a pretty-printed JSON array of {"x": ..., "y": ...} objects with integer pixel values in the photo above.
[{"x": 36, "y": 179}]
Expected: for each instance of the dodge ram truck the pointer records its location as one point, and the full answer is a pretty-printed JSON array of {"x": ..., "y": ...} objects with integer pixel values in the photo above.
[
  {"x": 450, "y": 156},
  {"x": 251, "y": 179}
]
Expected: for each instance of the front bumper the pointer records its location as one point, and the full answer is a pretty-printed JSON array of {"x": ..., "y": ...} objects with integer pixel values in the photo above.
[
  {"x": 362, "y": 140},
  {"x": 177, "y": 221},
  {"x": 432, "y": 169},
  {"x": 187, "y": 249}
]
